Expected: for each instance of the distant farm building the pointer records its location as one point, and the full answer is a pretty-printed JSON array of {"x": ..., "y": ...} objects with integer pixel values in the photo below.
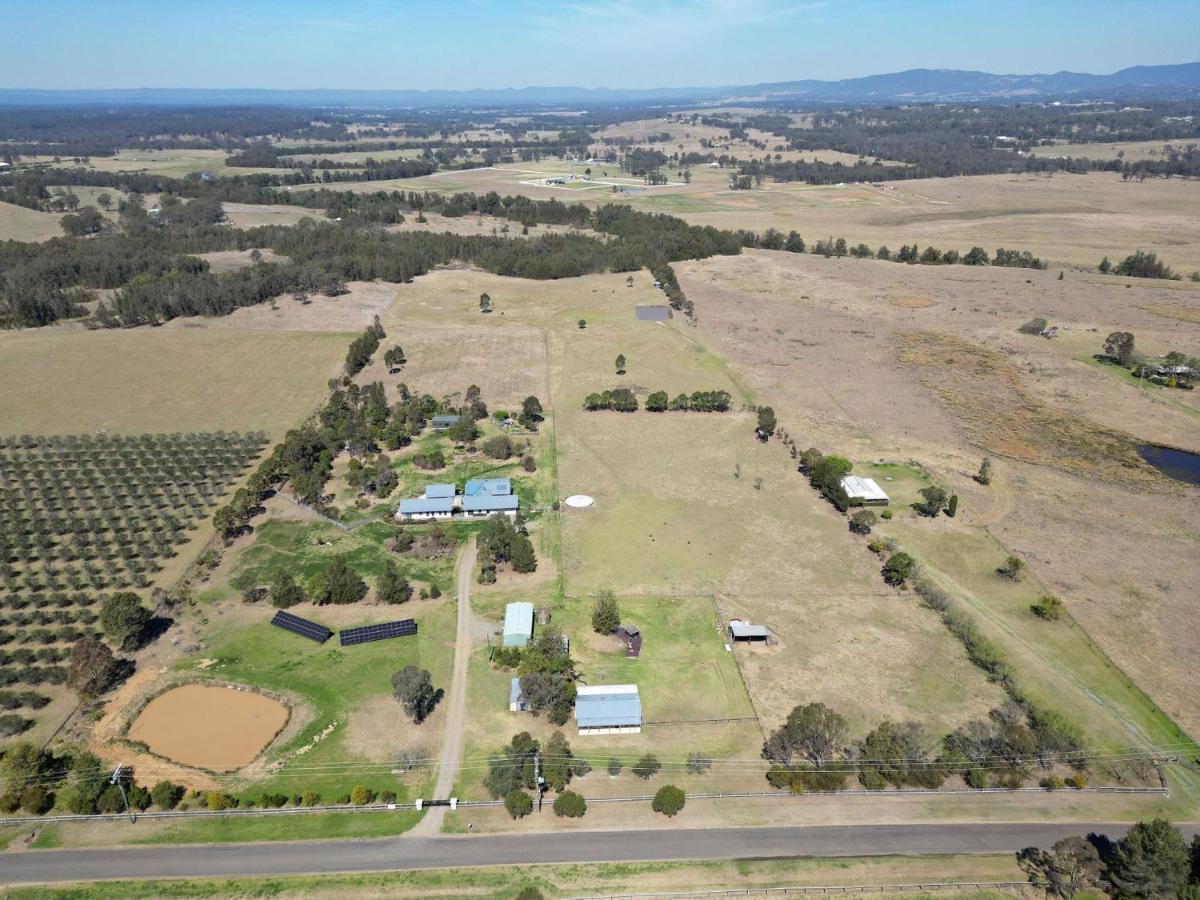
[
  {"x": 441, "y": 423},
  {"x": 518, "y": 624},
  {"x": 517, "y": 702},
  {"x": 744, "y": 631},
  {"x": 608, "y": 709},
  {"x": 652, "y": 313},
  {"x": 863, "y": 491}
]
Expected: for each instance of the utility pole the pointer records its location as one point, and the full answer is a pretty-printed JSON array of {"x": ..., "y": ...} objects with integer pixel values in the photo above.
[
  {"x": 541, "y": 782},
  {"x": 116, "y": 779}
]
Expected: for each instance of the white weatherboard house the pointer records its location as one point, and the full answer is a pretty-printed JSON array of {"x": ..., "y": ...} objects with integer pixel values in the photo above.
[
  {"x": 608, "y": 709},
  {"x": 864, "y": 491},
  {"x": 518, "y": 624}
]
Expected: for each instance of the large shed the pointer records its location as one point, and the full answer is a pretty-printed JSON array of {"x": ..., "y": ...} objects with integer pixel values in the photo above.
[
  {"x": 518, "y": 624},
  {"x": 608, "y": 709},
  {"x": 864, "y": 491}
]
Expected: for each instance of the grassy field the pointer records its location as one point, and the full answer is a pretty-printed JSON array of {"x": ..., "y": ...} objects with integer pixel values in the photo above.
[
  {"x": 60, "y": 380},
  {"x": 564, "y": 881},
  {"x": 20, "y": 224},
  {"x": 1127, "y": 150}
]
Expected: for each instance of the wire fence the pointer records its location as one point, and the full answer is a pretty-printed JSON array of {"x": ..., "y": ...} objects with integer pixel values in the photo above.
[{"x": 923, "y": 887}]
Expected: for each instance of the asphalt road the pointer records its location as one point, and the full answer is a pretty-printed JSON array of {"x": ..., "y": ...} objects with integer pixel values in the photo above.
[{"x": 310, "y": 857}]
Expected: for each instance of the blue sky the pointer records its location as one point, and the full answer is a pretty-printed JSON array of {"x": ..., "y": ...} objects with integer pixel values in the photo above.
[{"x": 611, "y": 43}]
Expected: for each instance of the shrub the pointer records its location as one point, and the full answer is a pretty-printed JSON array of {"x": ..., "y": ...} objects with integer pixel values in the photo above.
[
  {"x": 698, "y": 763},
  {"x": 361, "y": 795},
  {"x": 952, "y": 506},
  {"x": 518, "y": 803},
  {"x": 570, "y": 805},
  {"x": 498, "y": 447},
  {"x": 1048, "y": 607},
  {"x": 899, "y": 567},
  {"x": 872, "y": 779},
  {"x": 388, "y": 797},
  {"x": 885, "y": 514},
  {"x": 862, "y": 521},
  {"x": 646, "y": 767},
  {"x": 606, "y": 615},
  {"x": 36, "y": 800},
  {"x": 218, "y": 800},
  {"x": 976, "y": 778},
  {"x": 614, "y": 767},
  {"x": 434, "y": 459},
  {"x": 932, "y": 502},
  {"x": 1078, "y": 781},
  {"x": 310, "y": 798},
  {"x": 166, "y": 795},
  {"x": 1052, "y": 783},
  {"x": 528, "y": 463},
  {"x": 669, "y": 800},
  {"x": 1033, "y": 326},
  {"x": 10, "y": 802},
  {"x": 1012, "y": 568}
]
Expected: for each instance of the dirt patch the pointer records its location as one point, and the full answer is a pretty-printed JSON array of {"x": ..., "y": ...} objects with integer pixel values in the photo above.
[{"x": 210, "y": 727}]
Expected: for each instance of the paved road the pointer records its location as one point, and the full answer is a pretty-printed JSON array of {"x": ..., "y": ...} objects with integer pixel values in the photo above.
[
  {"x": 456, "y": 697},
  {"x": 606, "y": 846}
]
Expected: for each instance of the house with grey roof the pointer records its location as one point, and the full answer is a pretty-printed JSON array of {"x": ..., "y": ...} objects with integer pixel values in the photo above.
[
  {"x": 488, "y": 496},
  {"x": 608, "y": 709},
  {"x": 441, "y": 423},
  {"x": 437, "y": 502}
]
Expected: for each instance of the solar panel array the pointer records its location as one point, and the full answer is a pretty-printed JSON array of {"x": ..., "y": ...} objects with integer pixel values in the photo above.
[
  {"x": 302, "y": 627},
  {"x": 403, "y": 628}
]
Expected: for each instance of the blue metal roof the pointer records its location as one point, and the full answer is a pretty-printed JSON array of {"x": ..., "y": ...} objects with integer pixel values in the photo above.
[
  {"x": 432, "y": 505},
  {"x": 514, "y": 691},
  {"x": 608, "y": 710},
  {"x": 489, "y": 503},
  {"x": 442, "y": 421},
  {"x": 439, "y": 490},
  {"x": 493, "y": 486}
]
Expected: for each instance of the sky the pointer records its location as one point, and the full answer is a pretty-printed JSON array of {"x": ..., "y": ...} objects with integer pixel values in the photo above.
[{"x": 462, "y": 44}]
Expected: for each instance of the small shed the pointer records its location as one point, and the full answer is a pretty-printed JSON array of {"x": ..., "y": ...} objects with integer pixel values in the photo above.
[
  {"x": 632, "y": 638},
  {"x": 517, "y": 701},
  {"x": 744, "y": 631},
  {"x": 441, "y": 423},
  {"x": 863, "y": 491},
  {"x": 518, "y": 624},
  {"x": 608, "y": 709}
]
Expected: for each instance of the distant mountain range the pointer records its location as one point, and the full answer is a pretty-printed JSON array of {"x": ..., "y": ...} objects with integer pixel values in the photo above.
[{"x": 915, "y": 85}]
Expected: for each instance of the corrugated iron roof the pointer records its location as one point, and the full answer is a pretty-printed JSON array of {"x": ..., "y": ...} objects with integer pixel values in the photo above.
[{"x": 608, "y": 706}]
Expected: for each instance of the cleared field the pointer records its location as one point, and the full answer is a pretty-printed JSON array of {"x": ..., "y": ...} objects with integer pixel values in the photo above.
[
  {"x": 163, "y": 379},
  {"x": 20, "y": 224},
  {"x": 1128, "y": 150},
  {"x": 222, "y": 261},
  {"x": 211, "y": 727},
  {"x": 486, "y": 225},
  {"x": 252, "y": 215},
  {"x": 1117, "y": 548},
  {"x": 343, "y": 314}
]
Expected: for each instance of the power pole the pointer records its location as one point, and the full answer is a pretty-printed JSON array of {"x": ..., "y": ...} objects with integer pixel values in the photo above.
[
  {"x": 541, "y": 782},
  {"x": 116, "y": 779}
]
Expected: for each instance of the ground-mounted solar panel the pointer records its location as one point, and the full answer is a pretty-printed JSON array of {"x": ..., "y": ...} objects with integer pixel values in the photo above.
[
  {"x": 302, "y": 627},
  {"x": 403, "y": 628}
]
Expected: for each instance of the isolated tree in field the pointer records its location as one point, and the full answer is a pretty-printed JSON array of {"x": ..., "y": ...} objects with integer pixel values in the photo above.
[
  {"x": 391, "y": 586},
  {"x": 646, "y": 767},
  {"x": 933, "y": 501},
  {"x": 92, "y": 669},
  {"x": 812, "y": 732},
  {"x": 952, "y": 506},
  {"x": 104, "y": 200},
  {"x": 570, "y": 805},
  {"x": 1105, "y": 266},
  {"x": 698, "y": 763},
  {"x": 518, "y": 803},
  {"x": 1151, "y": 861},
  {"x": 1119, "y": 346},
  {"x": 1048, "y": 607},
  {"x": 394, "y": 356},
  {"x": 629, "y": 281},
  {"x": 582, "y": 324},
  {"x": 899, "y": 568},
  {"x": 614, "y": 767},
  {"x": 413, "y": 688},
  {"x": 1012, "y": 568},
  {"x": 669, "y": 800},
  {"x": 985, "y": 471},
  {"x": 531, "y": 413},
  {"x": 284, "y": 590},
  {"x": 766, "y": 420},
  {"x": 342, "y": 584},
  {"x": 485, "y": 303},
  {"x": 124, "y": 619},
  {"x": 606, "y": 615},
  {"x": 620, "y": 363},
  {"x": 1070, "y": 866}
]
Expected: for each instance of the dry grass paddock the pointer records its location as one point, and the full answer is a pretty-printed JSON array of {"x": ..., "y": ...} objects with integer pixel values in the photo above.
[
  {"x": 822, "y": 341},
  {"x": 345, "y": 313},
  {"x": 64, "y": 381},
  {"x": 251, "y": 215},
  {"x": 20, "y": 224}
]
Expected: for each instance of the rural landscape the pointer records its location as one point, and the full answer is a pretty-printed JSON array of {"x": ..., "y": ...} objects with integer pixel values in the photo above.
[{"x": 554, "y": 493}]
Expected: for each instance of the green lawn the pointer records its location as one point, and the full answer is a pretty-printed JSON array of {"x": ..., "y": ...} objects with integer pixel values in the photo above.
[{"x": 902, "y": 482}]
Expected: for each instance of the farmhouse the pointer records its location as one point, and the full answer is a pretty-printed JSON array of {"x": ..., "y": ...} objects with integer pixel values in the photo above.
[
  {"x": 744, "y": 631},
  {"x": 517, "y": 701},
  {"x": 437, "y": 502},
  {"x": 518, "y": 624},
  {"x": 608, "y": 709},
  {"x": 863, "y": 491},
  {"x": 441, "y": 423},
  {"x": 487, "y": 496}
]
